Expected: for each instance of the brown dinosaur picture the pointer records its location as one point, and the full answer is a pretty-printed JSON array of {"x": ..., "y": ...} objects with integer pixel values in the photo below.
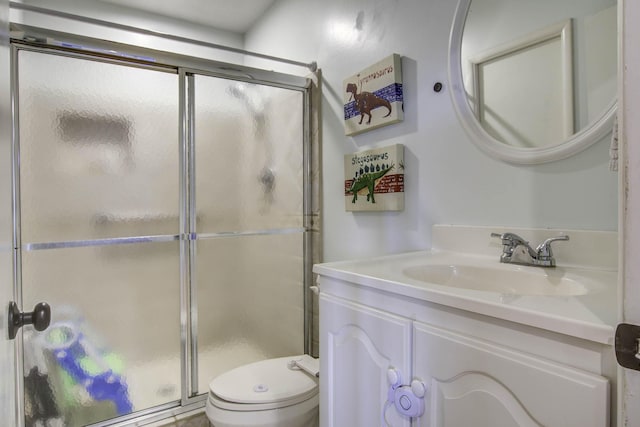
[{"x": 367, "y": 101}]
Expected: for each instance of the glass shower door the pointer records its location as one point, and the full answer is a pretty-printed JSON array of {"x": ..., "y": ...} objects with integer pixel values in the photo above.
[
  {"x": 98, "y": 201},
  {"x": 247, "y": 216}
]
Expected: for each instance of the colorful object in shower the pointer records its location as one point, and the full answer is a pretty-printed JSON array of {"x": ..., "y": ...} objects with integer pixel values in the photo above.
[
  {"x": 96, "y": 370},
  {"x": 374, "y": 179},
  {"x": 374, "y": 97}
]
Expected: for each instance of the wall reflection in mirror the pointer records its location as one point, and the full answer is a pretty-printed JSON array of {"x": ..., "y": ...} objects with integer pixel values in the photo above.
[{"x": 537, "y": 72}]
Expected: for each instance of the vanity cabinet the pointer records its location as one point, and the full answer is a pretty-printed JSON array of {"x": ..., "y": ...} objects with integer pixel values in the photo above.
[{"x": 478, "y": 371}]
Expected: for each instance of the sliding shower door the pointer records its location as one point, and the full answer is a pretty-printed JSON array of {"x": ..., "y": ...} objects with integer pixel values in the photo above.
[
  {"x": 160, "y": 212},
  {"x": 97, "y": 203},
  {"x": 247, "y": 214}
]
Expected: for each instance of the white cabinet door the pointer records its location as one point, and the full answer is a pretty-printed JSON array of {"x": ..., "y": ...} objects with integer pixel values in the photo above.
[
  {"x": 475, "y": 383},
  {"x": 357, "y": 347}
]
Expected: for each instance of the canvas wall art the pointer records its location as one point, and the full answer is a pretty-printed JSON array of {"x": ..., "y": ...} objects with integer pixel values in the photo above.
[
  {"x": 373, "y": 97},
  {"x": 374, "y": 179}
]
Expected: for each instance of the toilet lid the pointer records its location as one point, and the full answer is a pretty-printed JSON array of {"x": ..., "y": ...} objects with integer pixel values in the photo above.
[{"x": 267, "y": 381}]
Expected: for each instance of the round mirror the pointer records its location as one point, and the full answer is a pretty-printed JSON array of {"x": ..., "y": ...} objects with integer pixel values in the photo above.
[{"x": 534, "y": 81}]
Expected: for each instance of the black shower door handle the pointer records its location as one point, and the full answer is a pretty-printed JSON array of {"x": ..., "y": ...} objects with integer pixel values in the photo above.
[{"x": 40, "y": 318}]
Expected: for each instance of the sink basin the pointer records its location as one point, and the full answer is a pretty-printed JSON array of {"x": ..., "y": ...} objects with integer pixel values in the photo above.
[{"x": 511, "y": 279}]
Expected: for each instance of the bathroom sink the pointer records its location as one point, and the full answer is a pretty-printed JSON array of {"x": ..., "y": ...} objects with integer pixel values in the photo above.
[{"x": 512, "y": 279}]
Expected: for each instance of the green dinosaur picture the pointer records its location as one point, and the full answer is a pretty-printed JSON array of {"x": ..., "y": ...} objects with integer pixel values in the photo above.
[
  {"x": 374, "y": 179},
  {"x": 367, "y": 180}
]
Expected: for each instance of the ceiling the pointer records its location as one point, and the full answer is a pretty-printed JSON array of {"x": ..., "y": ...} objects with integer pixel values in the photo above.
[{"x": 231, "y": 15}]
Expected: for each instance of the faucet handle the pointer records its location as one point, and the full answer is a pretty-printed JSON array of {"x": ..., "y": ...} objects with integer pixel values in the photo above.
[
  {"x": 510, "y": 239},
  {"x": 544, "y": 249},
  {"x": 510, "y": 242}
]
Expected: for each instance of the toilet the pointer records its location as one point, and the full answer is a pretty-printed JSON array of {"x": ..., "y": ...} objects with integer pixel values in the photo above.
[{"x": 281, "y": 392}]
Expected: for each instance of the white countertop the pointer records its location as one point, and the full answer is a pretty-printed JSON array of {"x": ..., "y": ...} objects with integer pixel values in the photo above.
[{"x": 590, "y": 316}]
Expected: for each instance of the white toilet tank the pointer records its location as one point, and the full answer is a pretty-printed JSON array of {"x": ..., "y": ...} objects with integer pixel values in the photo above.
[{"x": 268, "y": 393}]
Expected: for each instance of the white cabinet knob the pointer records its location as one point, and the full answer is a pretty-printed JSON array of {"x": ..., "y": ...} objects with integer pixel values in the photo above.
[
  {"x": 393, "y": 377},
  {"x": 418, "y": 388}
]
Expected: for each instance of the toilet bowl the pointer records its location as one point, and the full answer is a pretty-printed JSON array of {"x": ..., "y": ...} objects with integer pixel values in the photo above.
[{"x": 269, "y": 393}]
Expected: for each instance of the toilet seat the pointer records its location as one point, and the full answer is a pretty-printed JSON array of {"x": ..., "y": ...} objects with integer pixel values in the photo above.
[{"x": 263, "y": 385}]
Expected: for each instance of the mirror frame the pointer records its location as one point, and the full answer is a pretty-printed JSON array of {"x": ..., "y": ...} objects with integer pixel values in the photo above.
[{"x": 497, "y": 149}]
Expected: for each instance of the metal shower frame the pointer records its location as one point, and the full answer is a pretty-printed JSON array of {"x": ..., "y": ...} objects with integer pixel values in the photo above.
[{"x": 186, "y": 67}]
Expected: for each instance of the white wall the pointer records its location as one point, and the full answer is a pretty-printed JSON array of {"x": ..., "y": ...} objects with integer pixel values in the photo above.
[
  {"x": 131, "y": 17},
  {"x": 448, "y": 180}
]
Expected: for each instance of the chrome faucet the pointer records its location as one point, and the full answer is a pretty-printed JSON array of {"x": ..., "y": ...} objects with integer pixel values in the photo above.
[{"x": 516, "y": 250}]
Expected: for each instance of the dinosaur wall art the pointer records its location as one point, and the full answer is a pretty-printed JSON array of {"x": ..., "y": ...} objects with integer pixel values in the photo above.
[
  {"x": 373, "y": 97},
  {"x": 375, "y": 179}
]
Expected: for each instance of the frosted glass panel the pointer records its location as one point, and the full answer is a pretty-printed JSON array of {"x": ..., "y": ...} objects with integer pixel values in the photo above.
[
  {"x": 249, "y": 162},
  {"x": 250, "y": 301},
  {"x": 99, "y": 149},
  {"x": 113, "y": 345}
]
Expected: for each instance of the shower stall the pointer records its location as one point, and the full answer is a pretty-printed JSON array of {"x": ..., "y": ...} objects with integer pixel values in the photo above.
[{"x": 163, "y": 208}]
